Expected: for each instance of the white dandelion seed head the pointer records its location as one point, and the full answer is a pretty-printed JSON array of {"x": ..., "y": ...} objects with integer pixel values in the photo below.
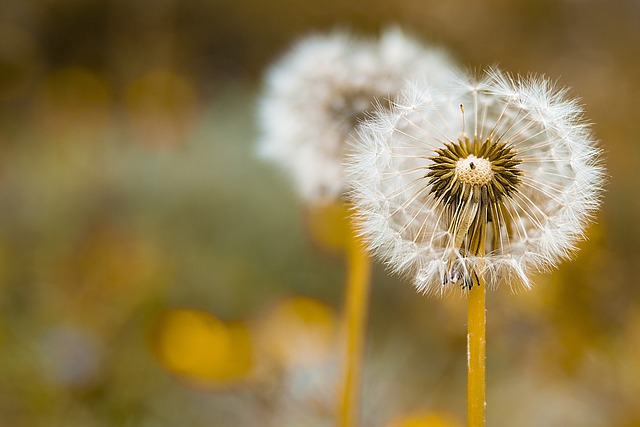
[
  {"x": 494, "y": 176},
  {"x": 318, "y": 92}
]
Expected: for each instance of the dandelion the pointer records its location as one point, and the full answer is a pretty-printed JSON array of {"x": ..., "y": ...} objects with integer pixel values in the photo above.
[
  {"x": 314, "y": 98},
  {"x": 481, "y": 181},
  {"x": 495, "y": 176},
  {"x": 319, "y": 91}
]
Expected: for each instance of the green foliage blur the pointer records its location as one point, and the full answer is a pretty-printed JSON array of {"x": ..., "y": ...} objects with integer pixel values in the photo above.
[{"x": 154, "y": 272}]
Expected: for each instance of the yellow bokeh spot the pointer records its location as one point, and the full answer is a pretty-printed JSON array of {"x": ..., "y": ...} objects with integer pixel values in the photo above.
[
  {"x": 109, "y": 263},
  {"x": 74, "y": 101},
  {"x": 427, "y": 419},
  {"x": 328, "y": 225},
  {"x": 161, "y": 107},
  {"x": 299, "y": 331},
  {"x": 198, "y": 345}
]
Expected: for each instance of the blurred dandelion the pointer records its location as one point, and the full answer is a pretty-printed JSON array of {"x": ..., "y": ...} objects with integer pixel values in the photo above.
[
  {"x": 314, "y": 98},
  {"x": 488, "y": 178},
  {"x": 318, "y": 92}
]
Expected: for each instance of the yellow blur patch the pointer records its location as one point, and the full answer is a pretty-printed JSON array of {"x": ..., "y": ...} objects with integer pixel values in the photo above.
[
  {"x": 328, "y": 226},
  {"x": 161, "y": 107},
  {"x": 428, "y": 419},
  {"x": 197, "y": 345},
  {"x": 298, "y": 332},
  {"x": 74, "y": 101},
  {"x": 109, "y": 264}
]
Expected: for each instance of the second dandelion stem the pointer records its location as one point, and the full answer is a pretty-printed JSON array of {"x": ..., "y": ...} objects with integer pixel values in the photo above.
[
  {"x": 476, "y": 354},
  {"x": 356, "y": 304}
]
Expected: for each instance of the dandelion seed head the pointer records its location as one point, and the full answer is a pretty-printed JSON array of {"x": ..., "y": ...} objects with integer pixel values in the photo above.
[
  {"x": 494, "y": 175},
  {"x": 318, "y": 92}
]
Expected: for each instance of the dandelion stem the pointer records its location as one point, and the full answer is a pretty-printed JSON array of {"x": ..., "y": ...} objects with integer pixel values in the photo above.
[
  {"x": 476, "y": 353},
  {"x": 356, "y": 303}
]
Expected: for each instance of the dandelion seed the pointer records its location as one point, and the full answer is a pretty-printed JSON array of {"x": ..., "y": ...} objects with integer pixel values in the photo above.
[
  {"x": 445, "y": 206},
  {"x": 318, "y": 92}
]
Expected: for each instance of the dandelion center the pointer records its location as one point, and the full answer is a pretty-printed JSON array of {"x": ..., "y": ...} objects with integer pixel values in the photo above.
[
  {"x": 470, "y": 181},
  {"x": 488, "y": 171},
  {"x": 474, "y": 170}
]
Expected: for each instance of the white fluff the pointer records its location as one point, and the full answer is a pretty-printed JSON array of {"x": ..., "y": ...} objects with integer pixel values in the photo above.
[
  {"x": 316, "y": 94},
  {"x": 560, "y": 189}
]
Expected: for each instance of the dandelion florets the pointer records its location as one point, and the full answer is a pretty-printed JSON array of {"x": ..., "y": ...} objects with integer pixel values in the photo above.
[
  {"x": 495, "y": 176},
  {"x": 317, "y": 93}
]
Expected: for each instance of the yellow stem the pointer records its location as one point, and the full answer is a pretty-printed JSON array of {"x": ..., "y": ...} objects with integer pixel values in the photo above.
[
  {"x": 356, "y": 303},
  {"x": 476, "y": 353}
]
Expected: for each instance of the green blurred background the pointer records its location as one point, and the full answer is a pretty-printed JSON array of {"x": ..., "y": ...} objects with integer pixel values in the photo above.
[{"x": 153, "y": 272}]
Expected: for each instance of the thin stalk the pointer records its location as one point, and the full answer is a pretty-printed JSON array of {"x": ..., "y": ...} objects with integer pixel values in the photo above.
[
  {"x": 476, "y": 353},
  {"x": 356, "y": 304}
]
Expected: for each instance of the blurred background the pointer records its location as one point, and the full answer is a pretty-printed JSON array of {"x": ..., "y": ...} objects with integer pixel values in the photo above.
[{"x": 153, "y": 272}]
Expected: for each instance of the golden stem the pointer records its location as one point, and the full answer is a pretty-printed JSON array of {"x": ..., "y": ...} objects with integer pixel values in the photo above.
[
  {"x": 476, "y": 353},
  {"x": 357, "y": 301}
]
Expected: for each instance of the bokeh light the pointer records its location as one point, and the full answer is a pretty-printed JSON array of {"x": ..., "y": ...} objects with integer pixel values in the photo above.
[
  {"x": 161, "y": 107},
  {"x": 298, "y": 331},
  {"x": 74, "y": 102},
  {"x": 327, "y": 226},
  {"x": 199, "y": 346}
]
